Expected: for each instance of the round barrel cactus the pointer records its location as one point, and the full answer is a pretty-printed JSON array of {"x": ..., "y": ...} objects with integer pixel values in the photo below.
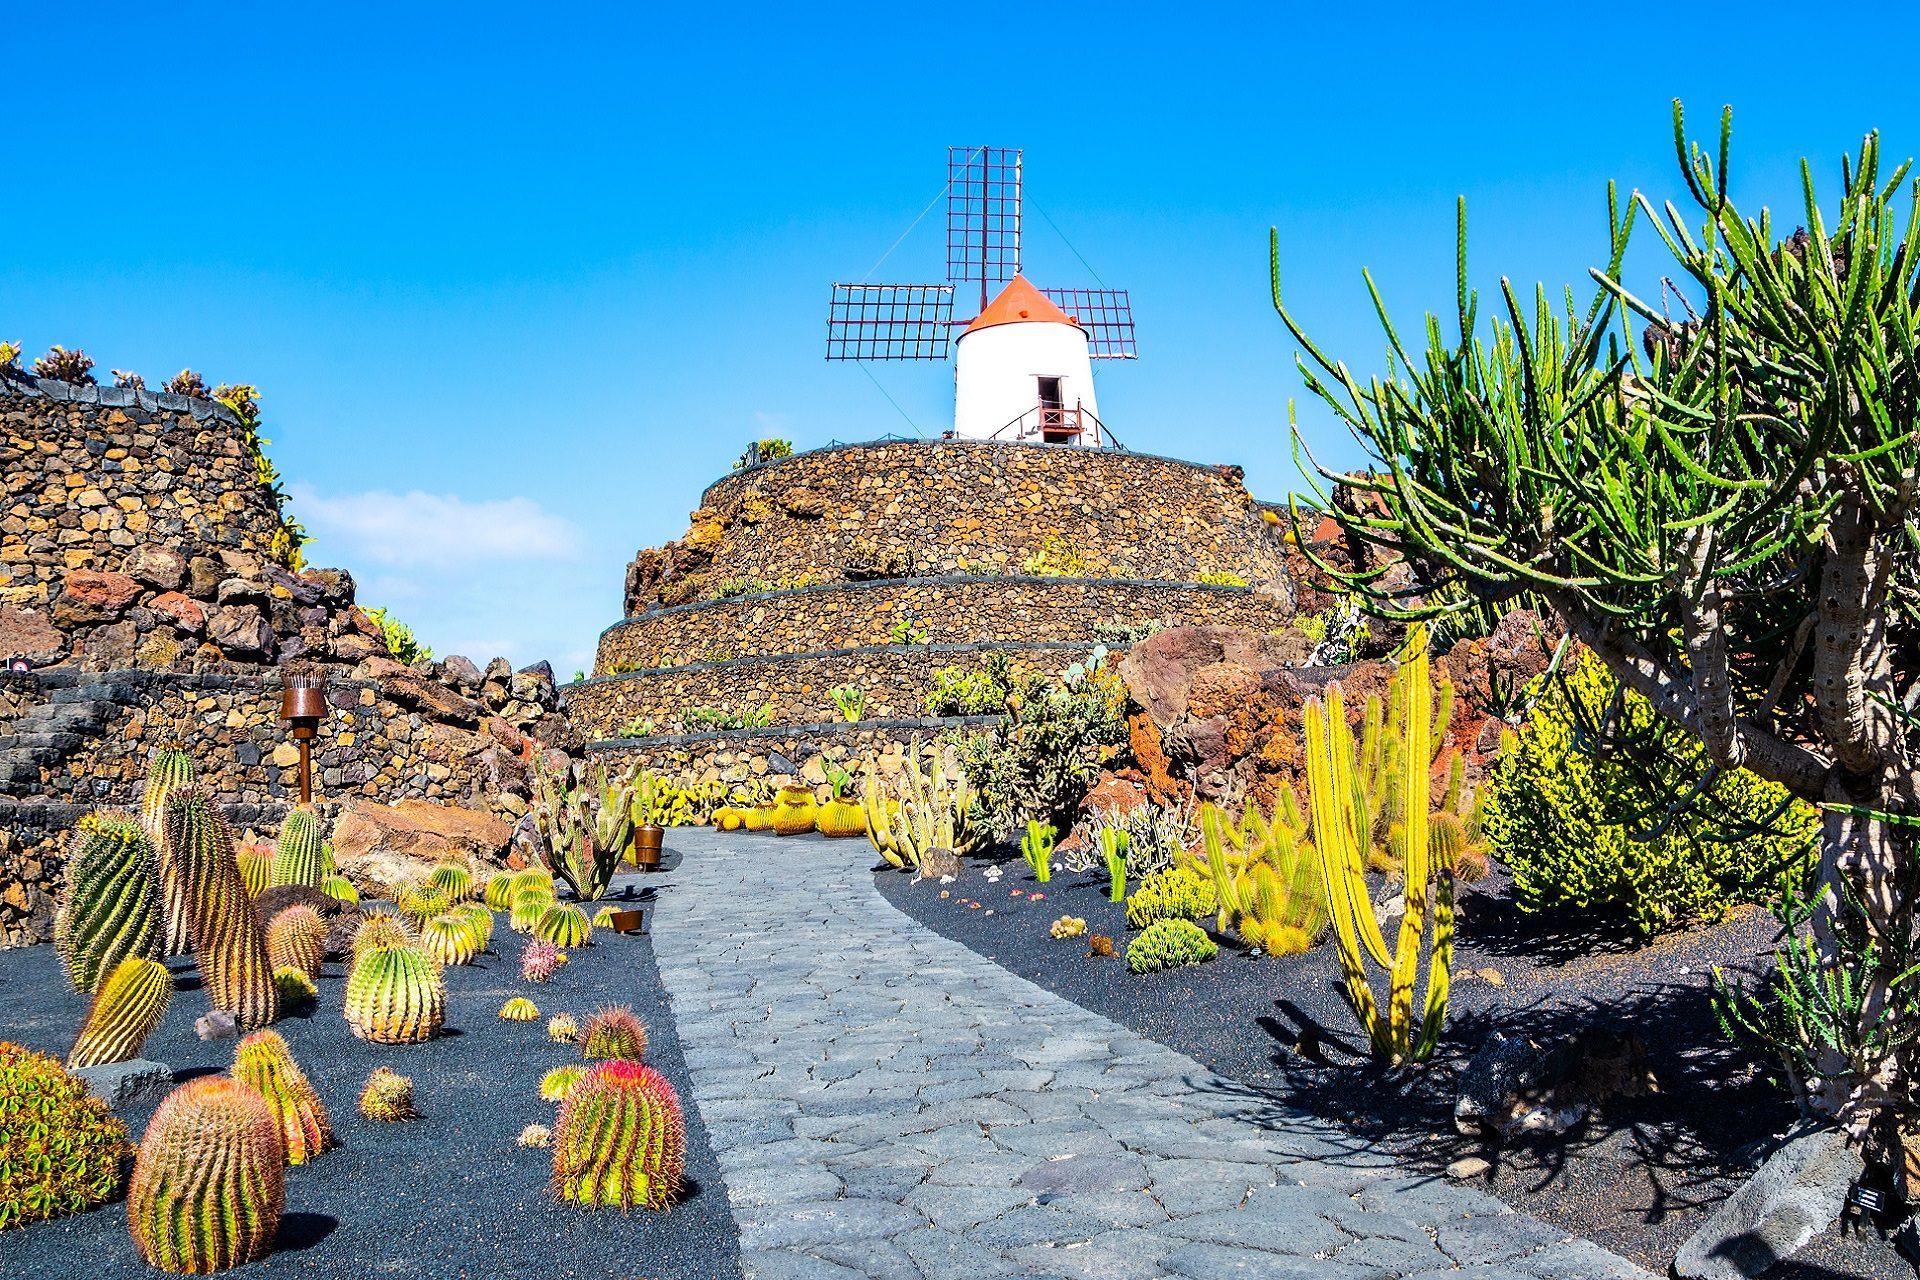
[
  {"x": 449, "y": 939},
  {"x": 620, "y": 1139},
  {"x": 124, "y": 1012},
  {"x": 615, "y": 1033},
  {"x": 499, "y": 891},
  {"x": 528, "y": 906},
  {"x": 519, "y": 1009},
  {"x": 387, "y": 1096},
  {"x": 395, "y": 995},
  {"x": 112, "y": 903},
  {"x": 297, "y": 939},
  {"x": 263, "y": 1062},
  {"x": 564, "y": 924},
  {"x": 453, "y": 880},
  {"x": 299, "y": 856},
  {"x": 210, "y": 1182}
]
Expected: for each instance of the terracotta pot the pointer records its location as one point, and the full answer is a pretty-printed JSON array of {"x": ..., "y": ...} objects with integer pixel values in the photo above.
[
  {"x": 646, "y": 847},
  {"x": 634, "y": 921}
]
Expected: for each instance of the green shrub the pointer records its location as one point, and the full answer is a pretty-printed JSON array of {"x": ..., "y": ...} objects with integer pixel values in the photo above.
[
  {"x": 1038, "y": 763},
  {"x": 959, "y": 692},
  {"x": 61, "y": 1150},
  {"x": 400, "y": 641},
  {"x": 1178, "y": 893},
  {"x": 764, "y": 451},
  {"x": 1562, "y": 818},
  {"x": 1169, "y": 944}
]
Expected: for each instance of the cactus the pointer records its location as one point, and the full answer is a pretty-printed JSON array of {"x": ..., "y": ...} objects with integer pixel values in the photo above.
[
  {"x": 620, "y": 1139},
  {"x": 603, "y": 918},
  {"x": 381, "y": 929},
  {"x": 559, "y": 1082},
  {"x": 758, "y": 818},
  {"x": 210, "y": 1182},
  {"x": 841, "y": 818},
  {"x": 229, "y": 946},
  {"x": 263, "y": 1062},
  {"x": 299, "y": 855},
  {"x": 395, "y": 995},
  {"x": 449, "y": 939},
  {"x": 387, "y": 1096},
  {"x": 564, "y": 925},
  {"x": 479, "y": 922},
  {"x": 528, "y": 906},
  {"x": 1334, "y": 793},
  {"x": 932, "y": 811},
  {"x": 296, "y": 990},
  {"x": 256, "y": 866},
  {"x": 341, "y": 890},
  {"x": 535, "y": 1135},
  {"x": 519, "y": 1009},
  {"x": 794, "y": 812},
  {"x": 124, "y": 1012},
  {"x": 499, "y": 891},
  {"x": 1037, "y": 848},
  {"x": 539, "y": 960},
  {"x": 297, "y": 939},
  {"x": 1113, "y": 849},
  {"x": 562, "y": 1029},
  {"x": 614, "y": 1033},
  {"x": 1266, "y": 882},
  {"x": 585, "y": 824},
  {"x": 528, "y": 878},
  {"x": 453, "y": 880},
  {"x": 169, "y": 769},
  {"x": 111, "y": 909},
  {"x": 419, "y": 903}
]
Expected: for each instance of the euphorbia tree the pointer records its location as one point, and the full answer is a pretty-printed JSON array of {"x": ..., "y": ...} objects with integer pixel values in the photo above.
[{"x": 1728, "y": 519}]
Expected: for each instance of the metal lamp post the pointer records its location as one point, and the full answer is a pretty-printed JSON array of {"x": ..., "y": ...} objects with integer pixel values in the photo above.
[{"x": 303, "y": 701}]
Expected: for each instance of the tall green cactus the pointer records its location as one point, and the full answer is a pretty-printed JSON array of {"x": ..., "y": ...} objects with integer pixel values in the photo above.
[
  {"x": 620, "y": 1140},
  {"x": 124, "y": 1012},
  {"x": 395, "y": 995},
  {"x": 229, "y": 946},
  {"x": 299, "y": 856},
  {"x": 263, "y": 1062},
  {"x": 169, "y": 769},
  {"x": 585, "y": 825},
  {"x": 112, "y": 903},
  {"x": 931, "y": 811},
  {"x": 1337, "y": 799},
  {"x": 210, "y": 1182}
]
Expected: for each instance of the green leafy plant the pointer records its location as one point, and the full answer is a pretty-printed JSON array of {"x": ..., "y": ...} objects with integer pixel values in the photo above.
[
  {"x": 960, "y": 692},
  {"x": 1169, "y": 944},
  {"x": 210, "y": 1182},
  {"x": 638, "y": 727},
  {"x": 1124, "y": 635},
  {"x": 399, "y": 637},
  {"x": 74, "y": 366},
  {"x": 1581, "y": 825},
  {"x": 766, "y": 450},
  {"x": 907, "y": 631},
  {"x": 1037, "y": 848},
  {"x": 61, "y": 1149},
  {"x": 1056, "y": 734},
  {"x": 851, "y": 700}
]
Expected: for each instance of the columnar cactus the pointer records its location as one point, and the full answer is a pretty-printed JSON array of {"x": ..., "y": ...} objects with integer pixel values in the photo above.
[
  {"x": 396, "y": 995},
  {"x": 124, "y": 1012},
  {"x": 614, "y": 1033},
  {"x": 299, "y": 857},
  {"x": 256, "y": 866},
  {"x": 620, "y": 1139},
  {"x": 210, "y": 1182},
  {"x": 563, "y": 924},
  {"x": 387, "y": 1096},
  {"x": 112, "y": 906},
  {"x": 169, "y": 769},
  {"x": 229, "y": 946},
  {"x": 263, "y": 1062},
  {"x": 297, "y": 939}
]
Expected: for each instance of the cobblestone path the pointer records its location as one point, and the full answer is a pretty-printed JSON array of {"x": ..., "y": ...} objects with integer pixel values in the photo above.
[{"x": 886, "y": 1103}]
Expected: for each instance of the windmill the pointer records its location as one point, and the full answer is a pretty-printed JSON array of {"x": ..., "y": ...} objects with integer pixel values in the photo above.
[{"x": 1023, "y": 363}]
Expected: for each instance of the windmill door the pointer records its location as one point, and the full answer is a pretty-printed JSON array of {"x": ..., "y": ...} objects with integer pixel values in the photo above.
[{"x": 1058, "y": 424}]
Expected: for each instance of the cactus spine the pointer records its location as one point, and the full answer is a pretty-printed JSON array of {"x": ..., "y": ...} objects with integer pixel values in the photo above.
[
  {"x": 229, "y": 945},
  {"x": 124, "y": 1012},
  {"x": 297, "y": 939},
  {"x": 170, "y": 769},
  {"x": 614, "y": 1033},
  {"x": 395, "y": 995},
  {"x": 210, "y": 1182},
  {"x": 299, "y": 857},
  {"x": 112, "y": 908},
  {"x": 263, "y": 1062},
  {"x": 620, "y": 1139},
  {"x": 1340, "y": 833},
  {"x": 387, "y": 1096}
]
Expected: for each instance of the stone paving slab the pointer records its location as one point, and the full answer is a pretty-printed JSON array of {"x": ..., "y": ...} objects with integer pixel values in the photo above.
[{"x": 886, "y": 1103}]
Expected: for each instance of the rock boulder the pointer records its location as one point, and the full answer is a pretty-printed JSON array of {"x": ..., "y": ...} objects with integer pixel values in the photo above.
[{"x": 378, "y": 846}]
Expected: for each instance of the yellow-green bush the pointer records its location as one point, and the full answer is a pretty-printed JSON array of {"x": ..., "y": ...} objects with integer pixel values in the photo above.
[
  {"x": 1561, "y": 818},
  {"x": 1178, "y": 893}
]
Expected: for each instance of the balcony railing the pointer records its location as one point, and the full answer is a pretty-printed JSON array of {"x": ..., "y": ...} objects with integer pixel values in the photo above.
[{"x": 1059, "y": 424}]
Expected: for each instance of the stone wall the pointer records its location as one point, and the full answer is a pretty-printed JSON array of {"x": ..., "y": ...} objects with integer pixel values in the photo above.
[
  {"x": 951, "y": 610},
  {"x": 783, "y": 755},
  {"x": 928, "y": 507}
]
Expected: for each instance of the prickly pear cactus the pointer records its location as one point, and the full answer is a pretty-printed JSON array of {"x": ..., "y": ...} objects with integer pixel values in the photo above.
[{"x": 210, "y": 1181}]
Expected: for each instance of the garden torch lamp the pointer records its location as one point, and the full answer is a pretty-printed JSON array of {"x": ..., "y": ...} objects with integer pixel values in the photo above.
[{"x": 303, "y": 700}]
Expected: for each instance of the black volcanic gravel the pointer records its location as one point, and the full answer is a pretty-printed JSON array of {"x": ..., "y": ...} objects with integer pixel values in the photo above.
[
  {"x": 1638, "y": 1178},
  {"x": 449, "y": 1195}
]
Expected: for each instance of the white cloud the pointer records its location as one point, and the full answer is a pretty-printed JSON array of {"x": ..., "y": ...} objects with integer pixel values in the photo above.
[{"x": 437, "y": 531}]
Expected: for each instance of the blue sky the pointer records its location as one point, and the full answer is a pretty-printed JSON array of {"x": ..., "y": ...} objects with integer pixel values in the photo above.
[{"x": 516, "y": 282}]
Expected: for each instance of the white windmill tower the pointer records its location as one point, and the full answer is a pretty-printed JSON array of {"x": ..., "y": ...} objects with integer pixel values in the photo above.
[{"x": 1023, "y": 365}]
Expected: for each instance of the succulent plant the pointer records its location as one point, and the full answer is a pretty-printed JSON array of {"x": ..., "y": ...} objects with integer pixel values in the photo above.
[
  {"x": 1068, "y": 927},
  {"x": 841, "y": 818},
  {"x": 169, "y": 769},
  {"x": 614, "y": 1033},
  {"x": 296, "y": 989},
  {"x": 299, "y": 856},
  {"x": 420, "y": 903},
  {"x": 263, "y": 1062},
  {"x": 535, "y": 1135},
  {"x": 124, "y": 1012},
  {"x": 538, "y": 961},
  {"x": 620, "y": 1139},
  {"x": 210, "y": 1181},
  {"x": 528, "y": 906},
  {"x": 519, "y": 1009},
  {"x": 563, "y": 924},
  {"x": 559, "y": 1082},
  {"x": 256, "y": 866},
  {"x": 449, "y": 939},
  {"x": 61, "y": 1149},
  {"x": 603, "y": 918},
  {"x": 794, "y": 812},
  {"x": 74, "y": 366},
  {"x": 585, "y": 823},
  {"x": 297, "y": 939},
  {"x": 111, "y": 909},
  {"x": 387, "y": 1096},
  {"x": 340, "y": 889},
  {"x": 380, "y": 929},
  {"x": 1169, "y": 944},
  {"x": 229, "y": 946},
  {"x": 499, "y": 891},
  {"x": 187, "y": 383},
  {"x": 562, "y": 1029},
  {"x": 1099, "y": 945},
  {"x": 479, "y": 922},
  {"x": 395, "y": 995},
  {"x": 453, "y": 880}
]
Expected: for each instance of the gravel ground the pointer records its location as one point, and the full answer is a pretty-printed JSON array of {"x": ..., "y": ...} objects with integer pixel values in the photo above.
[
  {"x": 1638, "y": 1178},
  {"x": 449, "y": 1195}
]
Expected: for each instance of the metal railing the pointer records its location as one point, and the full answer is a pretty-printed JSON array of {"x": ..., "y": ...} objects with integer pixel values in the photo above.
[{"x": 1059, "y": 424}]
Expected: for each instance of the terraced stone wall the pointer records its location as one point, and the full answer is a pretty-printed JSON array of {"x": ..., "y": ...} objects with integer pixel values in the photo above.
[{"x": 783, "y": 755}]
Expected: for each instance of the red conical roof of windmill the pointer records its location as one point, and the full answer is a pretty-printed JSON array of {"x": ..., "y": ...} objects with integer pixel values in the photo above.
[{"x": 1020, "y": 303}]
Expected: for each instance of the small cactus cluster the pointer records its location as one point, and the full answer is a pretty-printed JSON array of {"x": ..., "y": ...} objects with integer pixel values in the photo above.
[
  {"x": 169, "y": 769},
  {"x": 387, "y": 1096},
  {"x": 562, "y": 1029},
  {"x": 539, "y": 961},
  {"x": 519, "y": 1009},
  {"x": 300, "y": 855},
  {"x": 125, "y": 1011},
  {"x": 563, "y": 924},
  {"x": 1068, "y": 927},
  {"x": 297, "y": 939},
  {"x": 620, "y": 1139},
  {"x": 210, "y": 1182},
  {"x": 229, "y": 946},
  {"x": 61, "y": 1149},
  {"x": 112, "y": 909},
  {"x": 535, "y": 1135},
  {"x": 262, "y": 1062},
  {"x": 614, "y": 1033},
  {"x": 395, "y": 995}
]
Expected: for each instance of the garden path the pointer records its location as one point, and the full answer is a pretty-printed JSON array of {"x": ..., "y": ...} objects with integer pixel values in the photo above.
[{"x": 886, "y": 1103}]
